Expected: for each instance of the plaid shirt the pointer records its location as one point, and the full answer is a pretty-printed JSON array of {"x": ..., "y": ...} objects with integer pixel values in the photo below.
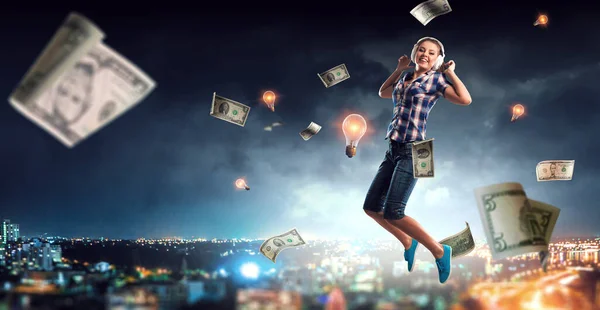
[{"x": 412, "y": 105}]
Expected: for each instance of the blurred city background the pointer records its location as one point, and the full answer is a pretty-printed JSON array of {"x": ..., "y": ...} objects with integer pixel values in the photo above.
[{"x": 51, "y": 272}]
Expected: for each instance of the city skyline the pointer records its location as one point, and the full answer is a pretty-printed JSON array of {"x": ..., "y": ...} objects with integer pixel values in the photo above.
[
  {"x": 167, "y": 168},
  {"x": 44, "y": 235},
  {"x": 365, "y": 273}
]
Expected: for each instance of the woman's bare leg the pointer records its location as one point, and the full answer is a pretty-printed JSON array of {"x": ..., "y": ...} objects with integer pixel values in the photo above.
[
  {"x": 413, "y": 229},
  {"x": 405, "y": 239}
]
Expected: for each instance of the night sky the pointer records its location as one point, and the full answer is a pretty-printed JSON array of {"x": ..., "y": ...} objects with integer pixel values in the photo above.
[{"x": 167, "y": 168}]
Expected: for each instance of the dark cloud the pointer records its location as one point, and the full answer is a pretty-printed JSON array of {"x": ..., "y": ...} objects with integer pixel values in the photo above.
[{"x": 168, "y": 167}]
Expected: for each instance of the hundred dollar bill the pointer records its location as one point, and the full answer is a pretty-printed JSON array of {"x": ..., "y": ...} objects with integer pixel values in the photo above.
[
  {"x": 429, "y": 10},
  {"x": 555, "y": 170},
  {"x": 311, "y": 130},
  {"x": 229, "y": 110},
  {"x": 274, "y": 245},
  {"x": 99, "y": 87},
  {"x": 75, "y": 37},
  {"x": 334, "y": 75},
  {"x": 422, "y": 156},
  {"x": 513, "y": 224},
  {"x": 461, "y": 243}
]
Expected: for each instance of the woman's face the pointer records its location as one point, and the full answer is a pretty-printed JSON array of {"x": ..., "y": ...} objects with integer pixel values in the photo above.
[{"x": 427, "y": 54}]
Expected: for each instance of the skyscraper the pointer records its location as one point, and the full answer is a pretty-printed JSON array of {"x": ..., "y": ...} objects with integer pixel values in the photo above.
[
  {"x": 56, "y": 253},
  {"x": 10, "y": 231}
]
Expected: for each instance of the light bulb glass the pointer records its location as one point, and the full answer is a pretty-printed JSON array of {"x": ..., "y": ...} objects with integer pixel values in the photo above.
[
  {"x": 354, "y": 128},
  {"x": 518, "y": 110},
  {"x": 240, "y": 183},
  {"x": 269, "y": 98},
  {"x": 542, "y": 20}
]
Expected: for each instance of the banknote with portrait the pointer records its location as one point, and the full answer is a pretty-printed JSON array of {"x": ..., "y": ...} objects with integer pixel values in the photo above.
[{"x": 95, "y": 86}]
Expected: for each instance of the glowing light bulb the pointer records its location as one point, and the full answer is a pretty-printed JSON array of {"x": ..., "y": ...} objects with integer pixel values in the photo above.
[
  {"x": 354, "y": 128},
  {"x": 269, "y": 98},
  {"x": 542, "y": 20},
  {"x": 518, "y": 110},
  {"x": 241, "y": 184}
]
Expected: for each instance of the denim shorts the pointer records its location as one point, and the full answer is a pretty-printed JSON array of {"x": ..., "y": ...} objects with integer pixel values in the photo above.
[{"x": 393, "y": 183}]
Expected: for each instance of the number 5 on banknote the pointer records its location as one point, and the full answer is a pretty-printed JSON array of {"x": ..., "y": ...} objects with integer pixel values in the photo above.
[{"x": 422, "y": 156}]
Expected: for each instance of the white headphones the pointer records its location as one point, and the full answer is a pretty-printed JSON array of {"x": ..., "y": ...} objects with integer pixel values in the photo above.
[{"x": 440, "y": 60}]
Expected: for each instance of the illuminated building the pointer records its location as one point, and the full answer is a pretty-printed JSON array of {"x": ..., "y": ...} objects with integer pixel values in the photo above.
[
  {"x": 15, "y": 256},
  {"x": 267, "y": 299},
  {"x": 56, "y": 253},
  {"x": 39, "y": 257},
  {"x": 10, "y": 231}
]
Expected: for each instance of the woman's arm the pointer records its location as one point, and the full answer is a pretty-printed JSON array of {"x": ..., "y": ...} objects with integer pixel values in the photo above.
[
  {"x": 456, "y": 93},
  {"x": 386, "y": 89}
]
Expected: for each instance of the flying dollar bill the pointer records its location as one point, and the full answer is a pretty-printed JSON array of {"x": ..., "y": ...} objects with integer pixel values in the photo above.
[
  {"x": 99, "y": 87},
  {"x": 461, "y": 243},
  {"x": 555, "y": 170},
  {"x": 422, "y": 156},
  {"x": 74, "y": 38},
  {"x": 273, "y": 246},
  {"x": 513, "y": 224},
  {"x": 429, "y": 10},
  {"x": 334, "y": 75},
  {"x": 311, "y": 130},
  {"x": 552, "y": 216},
  {"x": 549, "y": 216},
  {"x": 229, "y": 110}
]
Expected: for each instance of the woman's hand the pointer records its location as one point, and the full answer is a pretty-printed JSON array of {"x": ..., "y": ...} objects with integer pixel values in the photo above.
[
  {"x": 403, "y": 63},
  {"x": 449, "y": 66}
]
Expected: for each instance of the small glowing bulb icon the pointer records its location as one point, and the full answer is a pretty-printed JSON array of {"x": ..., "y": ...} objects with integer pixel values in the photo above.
[
  {"x": 354, "y": 128},
  {"x": 518, "y": 110},
  {"x": 542, "y": 20},
  {"x": 241, "y": 184},
  {"x": 269, "y": 98}
]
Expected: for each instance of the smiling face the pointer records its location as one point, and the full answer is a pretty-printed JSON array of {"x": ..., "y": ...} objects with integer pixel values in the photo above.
[{"x": 427, "y": 54}]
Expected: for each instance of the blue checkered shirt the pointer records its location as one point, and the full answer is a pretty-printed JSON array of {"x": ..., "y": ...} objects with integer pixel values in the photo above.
[{"x": 412, "y": 105}]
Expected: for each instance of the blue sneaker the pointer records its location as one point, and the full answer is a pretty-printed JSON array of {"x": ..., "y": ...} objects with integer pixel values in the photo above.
[
  {"x": 409, "y": 255},
  {"x": 444, "y": 264}
]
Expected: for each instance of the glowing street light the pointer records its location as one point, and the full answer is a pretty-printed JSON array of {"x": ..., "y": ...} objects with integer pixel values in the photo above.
[{"x": 250, "y": 270}]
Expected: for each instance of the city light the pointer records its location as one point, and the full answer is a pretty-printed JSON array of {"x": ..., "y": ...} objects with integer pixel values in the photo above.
[
  {"x": 357, "y": 268},
  {"x": 250, "y": 270}
]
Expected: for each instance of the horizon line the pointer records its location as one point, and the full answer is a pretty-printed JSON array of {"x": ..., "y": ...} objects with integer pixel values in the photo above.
[{"x": 46, "y": 236}]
